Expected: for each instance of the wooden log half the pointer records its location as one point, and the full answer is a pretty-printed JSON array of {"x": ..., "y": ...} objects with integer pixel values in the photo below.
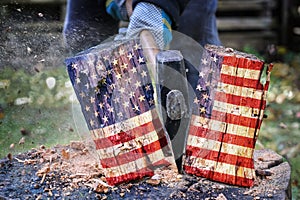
[
  {"x": 114, "y": 88},
  {"x": 227, "y": 115}
]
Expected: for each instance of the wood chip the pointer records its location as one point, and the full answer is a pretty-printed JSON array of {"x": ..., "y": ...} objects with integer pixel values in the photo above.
[
  {"x": 77, "y": 145},
  {"x": 153, "y": 181},
  {"x": 221, "y": 197}
]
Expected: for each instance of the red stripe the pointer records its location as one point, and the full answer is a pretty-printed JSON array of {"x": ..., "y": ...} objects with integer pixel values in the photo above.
[
  {"x": 222, "y": 137},
  {"x": 130, "y": 176},
  {"x": 243, "y": 63},
  {"x": 119, "y": 138},
  {"x": 220, "y": 177},
  {"x": 240, "y": 100},
  {"x": 147, "y": 171},
  {"x": 236, "y": 119},
  {"x": 241, "y": 81},
  {"x": 135, "y": 154},
  {"x": 219, "y": 157}
]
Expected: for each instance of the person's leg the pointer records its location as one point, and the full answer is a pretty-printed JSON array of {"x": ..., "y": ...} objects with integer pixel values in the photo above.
[
  {"x": 86, "y": 25},
  {"x": 199, "y": 21}
]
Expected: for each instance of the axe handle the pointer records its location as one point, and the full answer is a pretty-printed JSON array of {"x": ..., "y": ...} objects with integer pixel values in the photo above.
[{"x": 150, "y": 49}]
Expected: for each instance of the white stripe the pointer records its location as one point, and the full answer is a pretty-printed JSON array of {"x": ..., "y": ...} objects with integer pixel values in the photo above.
[
  {"x": 221, "y": 126},
  {"x": 241, "y": 72},
  {"x": 223, "y": 168},
  {"x": 137, "y": 164},
  {"x": 241, "y": 91},
  {"x": 128, "y": 146},
  {"x": 214, "y": 145},
  {"x": 243, "y": 111},
  {"x": 125, "y": 125}
]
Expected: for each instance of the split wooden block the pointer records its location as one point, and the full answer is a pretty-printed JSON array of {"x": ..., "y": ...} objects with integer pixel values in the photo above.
[
  {"x": 114, "y": 88},
  {"x": 228, "y": 108}
]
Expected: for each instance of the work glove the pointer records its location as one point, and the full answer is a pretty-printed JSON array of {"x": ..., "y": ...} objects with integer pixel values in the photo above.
[
  {"x": 117, "y": 9},
  {"x": 147, "y": 16}
]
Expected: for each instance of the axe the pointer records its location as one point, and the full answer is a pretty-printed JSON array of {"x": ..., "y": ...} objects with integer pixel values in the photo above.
[{"x": 172, "y": 92}]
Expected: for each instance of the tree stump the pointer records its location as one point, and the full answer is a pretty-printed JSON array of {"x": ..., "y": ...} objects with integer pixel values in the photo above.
[{"x": 49, "y": 173}]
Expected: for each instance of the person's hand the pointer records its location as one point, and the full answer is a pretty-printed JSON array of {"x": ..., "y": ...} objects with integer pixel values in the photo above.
[{"x": 147, "y": 16}]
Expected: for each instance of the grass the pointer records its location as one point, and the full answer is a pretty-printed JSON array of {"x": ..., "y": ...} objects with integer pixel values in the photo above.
[{"x": 38, "y": 126}]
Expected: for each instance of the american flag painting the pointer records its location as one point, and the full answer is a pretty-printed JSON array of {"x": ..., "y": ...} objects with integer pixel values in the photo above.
[
  {"x": 227, "y": 114},
  {"x": 113, "y": 86}
]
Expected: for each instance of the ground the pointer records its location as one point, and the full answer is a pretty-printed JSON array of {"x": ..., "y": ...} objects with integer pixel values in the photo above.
[{"x": 72, "y": 172}]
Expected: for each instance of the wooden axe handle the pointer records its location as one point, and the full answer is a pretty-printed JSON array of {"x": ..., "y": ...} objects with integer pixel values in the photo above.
[{"x": 150, "y": 49}]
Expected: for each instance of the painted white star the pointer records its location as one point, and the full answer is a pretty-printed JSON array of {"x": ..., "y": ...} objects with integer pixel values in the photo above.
[
  {"x": 141, "y": 60},
  {"x": 201, "y": 74},
  {"x": 120, "y": 114},
  {"x": 92, "y": 99},
  {"x": 205, "y": 97},
  {"x": 122, "y": 90},
  {"x": 105, "y": 58},
  {"x": 133, "y": 70},
  {"x": 142, "y": 98},
  {"x": 101, "y": 105},
  {"x": 100, "y": 66},
  {"x": 92, "y": 123},
  {"x": 130, "y": 56},
  {"x": 124, "y": 66},
  {"x": 215, "y": 59},
  {"x": 118, "y": 76},
  {"x": 74, "y": 65},
  {"x": 199, "y": 87},
  {"x": 87, "y": 108},
  {"x": 204, "y": 61},
  {"x": 117, "y": 100},
  {"x": 86, "y": 72},
  {"x": 115, "y": 62},
  {"x": 151, "y": 102},
  {"x": 128, "y": 80},
  {"x": 148, "y": 87},
  {"x": 96, "y": 114},
  {"x": 131, "y": 94},
  {"x": 112, "y": 86},
  {"x": 105, "y": 119},
  {"x": 196, "y": 101},
  {"x": 202, "y": 110},
  {"x": 121, "y": 52},
  {"x": 94, "y": 76},
  {"x": 82, "y": 94},
  {"x": 138, "y": 84},
  {"x": 111, "y": 109},
  {"x": 144, "y": 73},
  {"x": 78, "y": 80},
  {"x": 90, "y": 62},
  {"x": 136, "y": 46},
  {"x": 126, "y": 104},
  {"x": 136, "y": 108}
]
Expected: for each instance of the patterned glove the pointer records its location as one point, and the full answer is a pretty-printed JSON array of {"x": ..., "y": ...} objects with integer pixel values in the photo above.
[
  {"x": 117, "y": 9},
  {"x": 147, "y": 16}
]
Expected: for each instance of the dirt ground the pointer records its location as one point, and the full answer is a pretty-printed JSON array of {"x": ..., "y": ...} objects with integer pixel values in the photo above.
[{"x": 72, "y": 172}]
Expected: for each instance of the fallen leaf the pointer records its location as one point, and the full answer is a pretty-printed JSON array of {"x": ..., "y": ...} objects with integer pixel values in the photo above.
[
  {"x": 65, "y": 154},
  {"x": 22, "y": 141}
]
